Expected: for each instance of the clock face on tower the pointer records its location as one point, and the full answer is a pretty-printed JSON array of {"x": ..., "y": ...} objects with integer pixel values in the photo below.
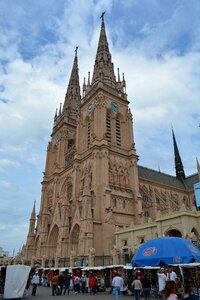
[
  {"x": 115, "y": 106},
  {"x": 90, "y": 108}
]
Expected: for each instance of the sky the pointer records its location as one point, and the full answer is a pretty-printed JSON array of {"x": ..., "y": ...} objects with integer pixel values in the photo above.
[{"x": 155, "y": 43}]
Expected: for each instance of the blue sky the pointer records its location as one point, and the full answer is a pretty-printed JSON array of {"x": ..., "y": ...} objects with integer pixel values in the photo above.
[{"x": 155, "y": 43}]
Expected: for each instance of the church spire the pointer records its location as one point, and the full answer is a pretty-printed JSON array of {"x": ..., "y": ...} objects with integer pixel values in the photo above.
[
  {"x": 33, "y": 211},
  {"x": 72, "y": 97},
  {"x": 32, "y": 221},
  {"x": 180, "y": 174},
  {"x": 103, "y": 67}
]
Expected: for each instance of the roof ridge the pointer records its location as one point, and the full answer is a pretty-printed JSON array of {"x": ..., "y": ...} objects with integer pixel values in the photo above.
[{"x": 157, "y": 171}]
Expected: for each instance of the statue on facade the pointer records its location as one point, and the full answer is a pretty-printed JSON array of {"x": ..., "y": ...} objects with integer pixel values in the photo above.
[{"x": 91, "y": 257}]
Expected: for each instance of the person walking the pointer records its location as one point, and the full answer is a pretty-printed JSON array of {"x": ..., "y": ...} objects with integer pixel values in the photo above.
[
  {"x": 93, "y": 284},
  {"x": 87, "y": 283},
  {"x": 54, "y": 283},
  {"x": 67, "y": 280},
  {"x": 83, "y": 282},
  {"x": 137, "y": 287},
  {"x": 117, "y": 284},
  {"x": 146, "y": 285},
  {"x": 60, "y": 283},
  {"x": 35, "y": 281},
  {"x": 76, "y": 281},
  {"x": 162, "y": 278}
]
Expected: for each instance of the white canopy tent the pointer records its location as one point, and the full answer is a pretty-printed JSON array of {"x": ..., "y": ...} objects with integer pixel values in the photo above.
[{"x": 16, "y": 279}]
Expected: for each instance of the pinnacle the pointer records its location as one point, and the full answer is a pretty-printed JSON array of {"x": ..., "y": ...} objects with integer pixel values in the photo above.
[
  {"x": 103, "y": 68},
  {"x": 73, "y": 98},
  {"x": 178, "y": 162}
]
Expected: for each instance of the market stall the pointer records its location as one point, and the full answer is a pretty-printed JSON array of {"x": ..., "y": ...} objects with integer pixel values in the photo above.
[{"x": 16, "y": 280}]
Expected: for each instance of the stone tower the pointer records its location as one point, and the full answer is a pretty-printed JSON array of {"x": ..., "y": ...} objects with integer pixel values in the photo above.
[{"x": 90, "y": 184}]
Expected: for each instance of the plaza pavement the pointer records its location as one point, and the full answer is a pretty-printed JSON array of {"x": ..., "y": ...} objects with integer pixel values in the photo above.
[{"x": 46, "y": 293}]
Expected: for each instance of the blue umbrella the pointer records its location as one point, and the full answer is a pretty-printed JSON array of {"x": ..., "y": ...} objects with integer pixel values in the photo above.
[{"x": 166, "y": 251}]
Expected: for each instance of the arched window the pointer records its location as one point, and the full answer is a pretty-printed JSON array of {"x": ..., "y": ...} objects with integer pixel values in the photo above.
[
  {"x": 70, "y": 143},
  {"x": 118, "y": 132},
  {"x": 108, "y": 127},
  {"x": 69, "y": 192}
]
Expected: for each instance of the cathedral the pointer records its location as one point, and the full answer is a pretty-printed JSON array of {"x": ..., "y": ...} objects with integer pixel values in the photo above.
[{"x": 97, "y": 203}]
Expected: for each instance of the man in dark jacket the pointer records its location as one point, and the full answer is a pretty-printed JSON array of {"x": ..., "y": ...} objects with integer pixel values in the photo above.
[
  {"x": 60, "y": 283},
  {"x": 67, "y": 280}
]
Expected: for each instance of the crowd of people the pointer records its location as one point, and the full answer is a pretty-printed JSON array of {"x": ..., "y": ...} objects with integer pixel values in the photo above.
[
  {"x": 143, "y": 285},
  {"x": 162, "y": 284},
  {"x": 65, "y": 282}
]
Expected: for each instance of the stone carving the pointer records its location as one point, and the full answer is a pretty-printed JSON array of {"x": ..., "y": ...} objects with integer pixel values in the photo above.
[
  {"x": 110, "y": 217},
  {"x": 86, "y": 176},
  {"x": 115, "y": 252},
  {"x": 129, "y": 114},
  {"x": 119, "y": 171},
  {"x": 69, "y": 158},
  {"x": 100, "y": 101},
  {"x": 121, "y": 203},
  {"x": 64, "y": 132},
  {"x": 91, "y": 256}
]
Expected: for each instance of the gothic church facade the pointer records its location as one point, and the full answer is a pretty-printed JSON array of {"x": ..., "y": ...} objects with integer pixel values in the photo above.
[{"x": 92, "y": 183}]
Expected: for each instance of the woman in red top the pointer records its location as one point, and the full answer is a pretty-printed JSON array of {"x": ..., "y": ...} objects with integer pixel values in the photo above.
[{"x": 93, "y": 284}]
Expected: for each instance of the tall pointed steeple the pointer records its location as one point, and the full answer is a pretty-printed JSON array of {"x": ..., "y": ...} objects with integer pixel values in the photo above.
[
  {"x": 73, "y": 97},
  {"x": 180, "y": 174},
  {"x": 33, "y": 215},
  {"x": 32, "y": 222},
  {"x": 103, "y": 68}
]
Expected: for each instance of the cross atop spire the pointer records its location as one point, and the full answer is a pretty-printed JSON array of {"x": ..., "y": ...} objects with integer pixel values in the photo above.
[
  {"x": 102, "y": 15},
  {"x": 76, "y": 50},
  {"x": 72, "y": 97},
  {"x": 180, "y": 174},
  {"x": 103, "y": 68}
]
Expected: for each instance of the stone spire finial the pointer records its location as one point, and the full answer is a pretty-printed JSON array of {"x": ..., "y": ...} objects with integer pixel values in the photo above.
[
  {"x": 88, "y": 82},
  {"x": 32, "y": 222},
  {"x": 33, "y": 214},
  {"x": 124, "y": 82},
  {"x": 180, "y": 174},
  {"x": 103, "y": 68},
  {"x": 118, "y": 75},
  {"x": 73, "y": 97},
  {"x": 60, "y": 110},
  {"x": 84, "y": 87},
  {"x": 56, "y": 114}
]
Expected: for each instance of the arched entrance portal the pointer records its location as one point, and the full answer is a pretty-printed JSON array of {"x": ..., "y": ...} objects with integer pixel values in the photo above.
[
  {"x": 74, "y": 239},
  {"x": 174, "y": 232},
  {"x": 53, "y": 238}
]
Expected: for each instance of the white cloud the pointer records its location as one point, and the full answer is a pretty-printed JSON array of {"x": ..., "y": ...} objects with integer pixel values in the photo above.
[
  {"x": 5, "y": 185},
  {"x": 9, "y": 163}
]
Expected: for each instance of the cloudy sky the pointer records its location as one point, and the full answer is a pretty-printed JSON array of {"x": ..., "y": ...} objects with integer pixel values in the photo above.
[{"x": 156, "y": 43}]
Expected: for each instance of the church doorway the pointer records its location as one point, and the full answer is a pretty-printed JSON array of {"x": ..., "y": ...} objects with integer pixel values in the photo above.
[
  {"x": 173, "y": 232},
  {"x": 74, "y": 239},
  {"x": 53, "y": 238}
]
